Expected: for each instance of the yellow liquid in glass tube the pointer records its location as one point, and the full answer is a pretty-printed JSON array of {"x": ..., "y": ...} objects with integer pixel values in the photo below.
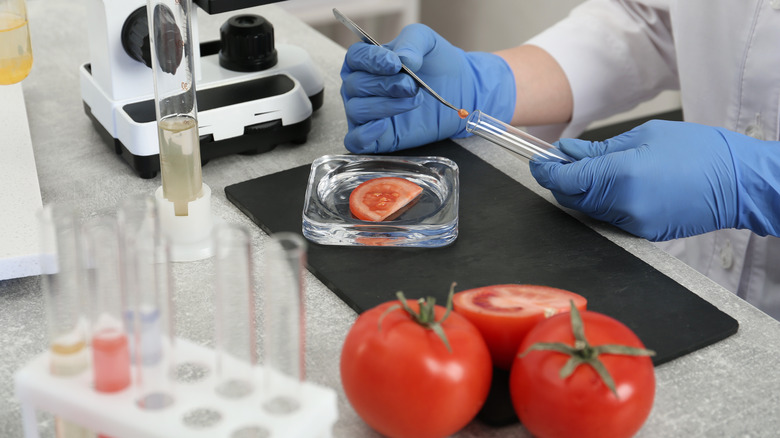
[
  {"x": 180, "y": 161},
  {"x": 15, "y": 49},
  {"x": 68, "y": 359}
]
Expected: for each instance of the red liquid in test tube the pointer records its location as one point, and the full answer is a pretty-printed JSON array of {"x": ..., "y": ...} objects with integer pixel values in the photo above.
[
  {"x": 110, "y": 353},
  {"x": 111, "y": 361}
]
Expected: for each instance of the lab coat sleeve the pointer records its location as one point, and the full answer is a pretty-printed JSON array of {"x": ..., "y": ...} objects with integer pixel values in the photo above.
[{"x": 615, "y": 54}]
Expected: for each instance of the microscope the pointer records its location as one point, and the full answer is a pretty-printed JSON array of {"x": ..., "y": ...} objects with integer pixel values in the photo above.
[{"x": 252, "y": 94}]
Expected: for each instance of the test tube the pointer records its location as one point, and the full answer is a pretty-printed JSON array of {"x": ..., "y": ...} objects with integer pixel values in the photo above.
[
  {"x": 235, "y": 316},
  {"x": 63, "y": 288},
  {"x": 110, "y": 353},
  {"x": 171, "y": 41},
  {"x": 147, "y": 283},
  {"x": 284, "y": 337},
  {"x": 513, "y": 139}
]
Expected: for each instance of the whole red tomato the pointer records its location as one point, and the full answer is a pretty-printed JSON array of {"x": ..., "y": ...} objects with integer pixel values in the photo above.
[
  {"x": 578, "y": 401},
  {"x": 404, "y": 380}
]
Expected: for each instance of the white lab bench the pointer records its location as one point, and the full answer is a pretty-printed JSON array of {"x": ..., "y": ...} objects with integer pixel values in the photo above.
[
  {"x": 20, "y": 196},
  {"x": 729, "y": 389}
]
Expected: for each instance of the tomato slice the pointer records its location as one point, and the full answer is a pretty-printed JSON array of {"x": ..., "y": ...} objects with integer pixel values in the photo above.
[
  {"x": 383, "y": 198},
  {"x": 505, "y": 313}
]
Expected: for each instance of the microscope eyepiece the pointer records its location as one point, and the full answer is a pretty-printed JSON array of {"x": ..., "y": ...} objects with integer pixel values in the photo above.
[
  {"x": 135, "y": 36},
  {"x": 247, "y": 44}
]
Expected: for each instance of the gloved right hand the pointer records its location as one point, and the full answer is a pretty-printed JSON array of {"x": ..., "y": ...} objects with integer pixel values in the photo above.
[
  {"x": 387, "y": 111},
  {"x": 666, "y": 180}
]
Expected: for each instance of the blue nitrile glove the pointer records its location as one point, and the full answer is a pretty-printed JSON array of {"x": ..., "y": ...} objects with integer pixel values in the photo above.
[
  {"x": 665, "y": 180},
  {"x": 386, "y": 110}
]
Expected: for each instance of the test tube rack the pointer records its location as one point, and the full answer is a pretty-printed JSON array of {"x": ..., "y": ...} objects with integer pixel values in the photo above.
[{"x": 117, "y": 414}]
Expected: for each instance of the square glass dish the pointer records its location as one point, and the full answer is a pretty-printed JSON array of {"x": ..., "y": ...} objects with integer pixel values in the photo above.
[{"x": 431, "y": 222}]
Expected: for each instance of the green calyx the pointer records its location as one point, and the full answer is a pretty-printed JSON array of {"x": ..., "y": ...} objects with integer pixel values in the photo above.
[
  {"x": 426, "y": 315},
  {"x": 584, "y": 353}
]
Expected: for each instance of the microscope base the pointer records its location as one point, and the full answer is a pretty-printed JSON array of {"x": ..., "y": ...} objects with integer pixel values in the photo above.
[
  {"x": 259, "y": 139},
  {"x": 238, "y": 113}
]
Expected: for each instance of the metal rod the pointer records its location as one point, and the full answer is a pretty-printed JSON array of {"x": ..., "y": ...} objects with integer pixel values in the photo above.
[{"x": 365, "y": 37}]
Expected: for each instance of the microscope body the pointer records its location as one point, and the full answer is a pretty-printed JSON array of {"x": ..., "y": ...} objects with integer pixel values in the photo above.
[{"x": 241, "y": 109}]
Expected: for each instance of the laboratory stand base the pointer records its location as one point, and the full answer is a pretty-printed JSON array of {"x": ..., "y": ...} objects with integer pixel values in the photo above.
[
  {"x": 197, "y": 410},
  {"x": 189, "y": 237}
]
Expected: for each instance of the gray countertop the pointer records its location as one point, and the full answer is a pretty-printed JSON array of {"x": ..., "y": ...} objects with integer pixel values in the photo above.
[{"x": 729, "y": 389}]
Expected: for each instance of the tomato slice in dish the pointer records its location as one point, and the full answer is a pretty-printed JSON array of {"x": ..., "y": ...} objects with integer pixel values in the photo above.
[
  {"x": 383, "y": 198},
  {"x": 505, "y": 313}
]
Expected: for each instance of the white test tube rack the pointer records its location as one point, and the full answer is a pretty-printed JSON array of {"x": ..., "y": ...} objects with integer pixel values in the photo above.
[{"x": 117, "y": 414}]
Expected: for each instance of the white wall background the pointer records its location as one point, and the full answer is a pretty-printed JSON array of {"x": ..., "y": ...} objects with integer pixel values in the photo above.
[
  {"x": 491, "y": 25},
  {"x": 484, "y": 25}
]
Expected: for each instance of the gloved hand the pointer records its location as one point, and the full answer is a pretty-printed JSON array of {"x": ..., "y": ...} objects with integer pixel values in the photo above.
[
  {"x": 665, "y": 180},
  {"x": 386, "y": 110}
]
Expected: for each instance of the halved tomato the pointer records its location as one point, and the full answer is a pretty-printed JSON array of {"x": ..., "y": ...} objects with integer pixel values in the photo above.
[
  {"x": 505, "y": 313},
  {"x": 383, "y": 198}
]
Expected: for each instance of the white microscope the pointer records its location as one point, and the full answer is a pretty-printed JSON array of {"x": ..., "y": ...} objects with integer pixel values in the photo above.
[
  {"x": 167, "y": 103},
  {"x": 252, "y": 94}
]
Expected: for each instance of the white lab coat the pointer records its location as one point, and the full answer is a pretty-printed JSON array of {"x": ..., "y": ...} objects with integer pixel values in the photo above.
[{"x": 724, "y": 56}]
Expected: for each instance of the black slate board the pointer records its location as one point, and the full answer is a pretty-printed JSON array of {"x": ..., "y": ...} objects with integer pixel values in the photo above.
[{"x": 507, "y": 234}]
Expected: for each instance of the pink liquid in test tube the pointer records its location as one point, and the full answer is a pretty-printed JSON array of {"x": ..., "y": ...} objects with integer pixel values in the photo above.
[
  {"x": 110, "y": 352},
  {"x": 111, "y": 360}
]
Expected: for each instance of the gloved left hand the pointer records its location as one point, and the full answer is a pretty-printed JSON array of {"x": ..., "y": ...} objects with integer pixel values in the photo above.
[
  {"x": 387, "y": 111},
  {"x": 666, "y": 180}
]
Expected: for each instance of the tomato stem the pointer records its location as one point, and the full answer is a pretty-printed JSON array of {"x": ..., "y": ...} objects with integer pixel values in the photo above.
[
  {"x": 426, "y": 315},
  {"x": 584, "y": 353}
]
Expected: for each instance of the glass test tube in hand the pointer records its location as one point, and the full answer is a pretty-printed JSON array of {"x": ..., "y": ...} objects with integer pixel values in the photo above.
[
  {"x": 235, "y": 315},
  {"x": 513, "y": 139},
  {"x": 284, "y": 346},
  {"x": 170, "y": 33}
]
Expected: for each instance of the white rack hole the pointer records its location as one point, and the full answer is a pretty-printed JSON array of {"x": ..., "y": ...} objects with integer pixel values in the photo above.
[
  {"x": 281, "y": 405},
  {"x": 155, "y": 401},
  {"x": 251, "y": 432},
  {"x": 234, "y": 388},
  {"x": 191, "y": 372},
  {"x": 201, "y": 418}
]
